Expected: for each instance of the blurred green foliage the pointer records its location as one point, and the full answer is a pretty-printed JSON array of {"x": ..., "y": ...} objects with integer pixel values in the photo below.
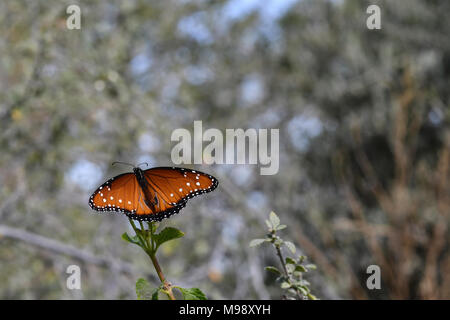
[{"x": 291, "y": 274}]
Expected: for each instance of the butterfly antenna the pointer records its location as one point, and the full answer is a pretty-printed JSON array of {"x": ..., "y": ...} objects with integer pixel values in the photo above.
[
  {"x": 143, "y": 163},
  {"x": 125, "y": 163}
]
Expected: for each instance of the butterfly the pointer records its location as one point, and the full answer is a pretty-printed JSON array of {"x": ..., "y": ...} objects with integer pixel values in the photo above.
[{"x": 153, "y": 194}]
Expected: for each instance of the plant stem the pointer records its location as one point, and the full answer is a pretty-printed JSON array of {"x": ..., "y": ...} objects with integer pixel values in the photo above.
[
  {"x": 167, "y": 286},
  {"x": 142, "y": 241},
  {"x": 283, "y": 263},
  {"x": 152, "y": 242},
  {"x": 149, "y": 247}
]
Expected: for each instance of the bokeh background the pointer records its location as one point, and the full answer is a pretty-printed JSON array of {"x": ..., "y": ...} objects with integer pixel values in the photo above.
[{"x": 364, "y": 142}]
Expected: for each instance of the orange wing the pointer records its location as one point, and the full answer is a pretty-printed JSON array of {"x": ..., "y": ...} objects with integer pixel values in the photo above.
[
  {"x": 169, "y": 189},
  {"x": 120, "y": 193},
  {"x": 176, "y": 185}
]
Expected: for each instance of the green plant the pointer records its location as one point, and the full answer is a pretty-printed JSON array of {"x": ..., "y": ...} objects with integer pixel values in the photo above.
[
  {"x": 293, "y": 269},
  {"x": 149, "y": 240}
]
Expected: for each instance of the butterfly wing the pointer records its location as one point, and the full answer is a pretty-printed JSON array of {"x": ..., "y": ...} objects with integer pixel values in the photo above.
[
  {"x": 177, "y": 185},
  {"x": 121, "y": 194},
  {"x": 168, "y": 189}
]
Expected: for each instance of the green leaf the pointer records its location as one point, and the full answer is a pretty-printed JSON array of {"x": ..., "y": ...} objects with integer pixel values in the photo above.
[
  {"x": 290, "y": 268},
  {"x": 155, "y": 294},
  {"x": 285, "y": 285},
  {"x": 305, "y": 283},
  {"x": 290, "y": 246},
  {"x": 153, "y": 226},
  {"x": 273, "y": 269},
  {"x": 281, "y": 227},
  {"x": 312, "y": 297},
  {"x": 303, "y": 290},
  {"x": 300, "y": 268},
  {"x": 167, "y": 234},
  {"x": 311, "y": 266},
  {"x": 297, "y": 274},
  {"x": 256, "y": 242},
  {"x": 192, "y": 294},
  {"x": 141, "y": 233},
  {"x": 269, "y": 225},
  {"x": 143, "y": 290},
  {"x": 274, "y": 220},
  {"x": 289, "y": 260},
  {"x": 134, "y": 239}
]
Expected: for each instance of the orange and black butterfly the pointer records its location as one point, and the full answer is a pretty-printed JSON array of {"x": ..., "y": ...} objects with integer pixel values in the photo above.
[{"x": 153, "y": 194}]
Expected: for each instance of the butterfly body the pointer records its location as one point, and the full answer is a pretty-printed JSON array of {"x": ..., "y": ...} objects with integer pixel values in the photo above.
[
  {"x": 153, "y": 194},
  {"x": 140, "y": 177}
]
